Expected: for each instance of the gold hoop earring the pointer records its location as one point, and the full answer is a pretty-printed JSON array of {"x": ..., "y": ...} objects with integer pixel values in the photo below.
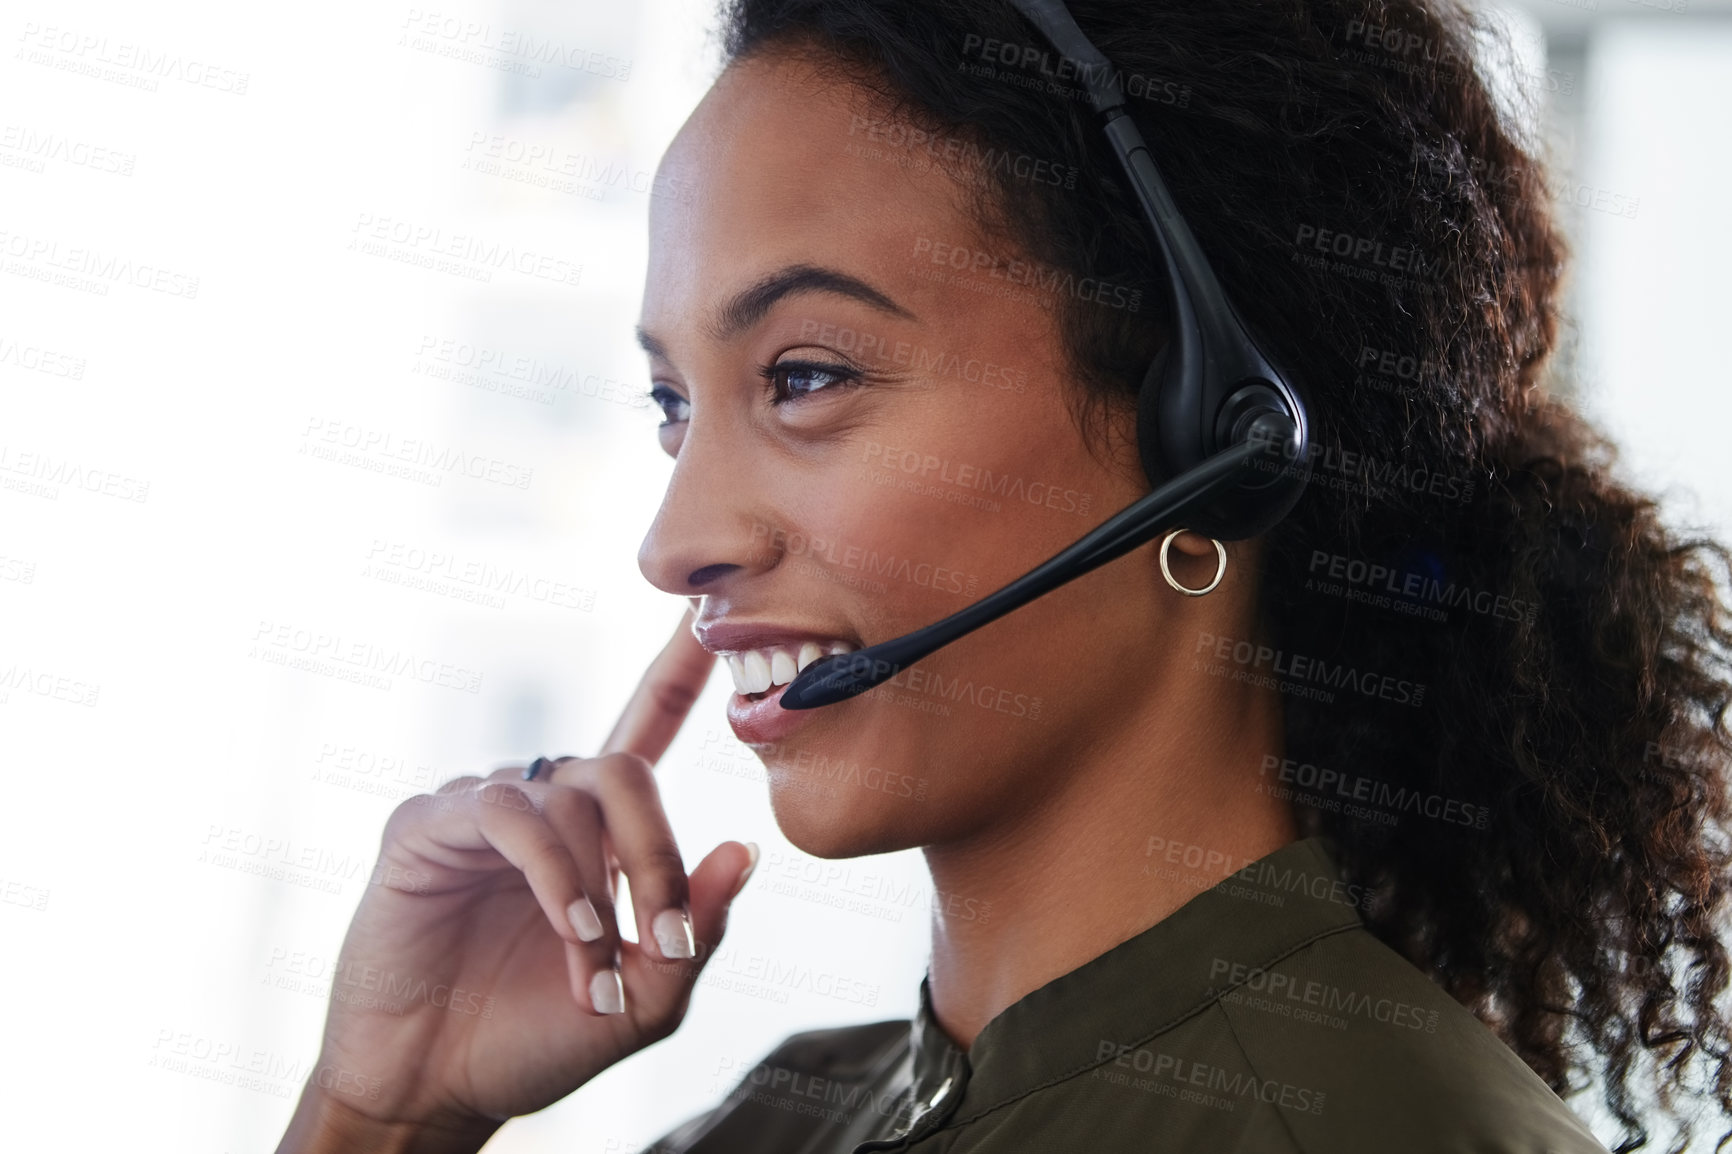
[{"x": 1220, "y": 569}]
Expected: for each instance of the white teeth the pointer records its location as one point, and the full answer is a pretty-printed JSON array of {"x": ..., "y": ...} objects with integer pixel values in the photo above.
[
  {"x": 809, "y": 652},
  {"x": 757, "y": 671}
]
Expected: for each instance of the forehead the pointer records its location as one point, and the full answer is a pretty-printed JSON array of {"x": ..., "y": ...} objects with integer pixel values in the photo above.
[{"x": 786, "y": 161}]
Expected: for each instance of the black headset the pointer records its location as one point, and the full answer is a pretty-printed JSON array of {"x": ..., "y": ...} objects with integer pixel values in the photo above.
[{"x": 1222, "y": 433}]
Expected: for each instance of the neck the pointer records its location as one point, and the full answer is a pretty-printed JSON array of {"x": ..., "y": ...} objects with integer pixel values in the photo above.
[{"x": 1089, "y": 866}]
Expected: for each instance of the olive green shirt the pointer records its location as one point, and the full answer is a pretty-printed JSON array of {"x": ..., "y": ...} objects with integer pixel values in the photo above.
[{"x": 1261, "y": 1018}]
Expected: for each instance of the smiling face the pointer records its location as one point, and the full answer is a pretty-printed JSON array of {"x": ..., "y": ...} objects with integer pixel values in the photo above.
[{"x": 871, "y": 422}]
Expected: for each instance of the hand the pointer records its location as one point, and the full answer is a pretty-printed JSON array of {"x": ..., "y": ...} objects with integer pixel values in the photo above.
[{"x": 482, "y": 974}]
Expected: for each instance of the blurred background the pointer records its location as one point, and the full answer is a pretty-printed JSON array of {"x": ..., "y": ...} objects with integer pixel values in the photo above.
[{"x": 248, "y": 418}]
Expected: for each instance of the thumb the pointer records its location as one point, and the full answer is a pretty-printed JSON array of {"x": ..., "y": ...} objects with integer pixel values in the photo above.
[
  {"x": 712, "y": 887},
  {"x": 665, "y": 988}
]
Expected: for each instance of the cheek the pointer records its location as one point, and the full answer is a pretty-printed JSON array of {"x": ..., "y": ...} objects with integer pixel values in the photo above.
[
  {"x": 903, "y": 528},
  {"x": 885, "y": 539}
]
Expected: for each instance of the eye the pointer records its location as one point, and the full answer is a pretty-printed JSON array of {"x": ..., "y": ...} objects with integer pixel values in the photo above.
[
  {"x": 675, "y": 408},
  {"x": 793, "y": 380}
]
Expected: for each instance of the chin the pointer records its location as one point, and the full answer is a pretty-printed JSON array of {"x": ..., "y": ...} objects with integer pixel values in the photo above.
[{"x": 828, "y": 820}]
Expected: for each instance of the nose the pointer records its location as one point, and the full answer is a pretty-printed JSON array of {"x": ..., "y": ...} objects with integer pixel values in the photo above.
[{"x": 706, "y": 529}]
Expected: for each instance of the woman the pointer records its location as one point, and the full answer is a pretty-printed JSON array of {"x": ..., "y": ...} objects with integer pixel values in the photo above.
[{"x": 1411, "y": 823}]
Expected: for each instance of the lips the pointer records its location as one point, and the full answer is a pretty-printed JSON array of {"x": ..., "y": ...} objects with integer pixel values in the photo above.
[
  {"x": 761, "y": 655},
  {"x": 728, "y": 636},
  {"x": 762, "y": 720},
  {"x": 763, "y": 659}
]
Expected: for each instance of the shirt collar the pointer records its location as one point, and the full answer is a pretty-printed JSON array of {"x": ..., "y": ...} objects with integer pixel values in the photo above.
[
  {"x": 941, "y": 1070},
  {"x": 1140, "y": 987}
]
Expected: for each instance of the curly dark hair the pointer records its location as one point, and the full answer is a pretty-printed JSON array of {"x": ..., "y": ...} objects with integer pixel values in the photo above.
[{"x": 1577, "y": 690}]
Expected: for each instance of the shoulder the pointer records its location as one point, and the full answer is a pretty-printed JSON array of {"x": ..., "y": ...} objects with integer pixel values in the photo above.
[
  {"x": 842, "y": 1052},
  {"x": 1398, "y": 1062},
  {"x": 841, "y": 1055}
]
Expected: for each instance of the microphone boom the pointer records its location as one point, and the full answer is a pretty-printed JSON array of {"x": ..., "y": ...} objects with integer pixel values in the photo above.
[{"x": 841, "y": 676}]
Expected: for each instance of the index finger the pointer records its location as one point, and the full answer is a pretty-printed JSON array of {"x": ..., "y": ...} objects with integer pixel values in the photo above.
[{"x": 658, "y": 707}]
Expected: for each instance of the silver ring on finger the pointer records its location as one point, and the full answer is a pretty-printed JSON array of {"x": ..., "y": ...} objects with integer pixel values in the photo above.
[{"x": 538, "y": 765}]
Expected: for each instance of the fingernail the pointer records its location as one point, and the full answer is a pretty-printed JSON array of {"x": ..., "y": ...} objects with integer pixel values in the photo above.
[
  {"x": 745, "y": 874},
  {"x": 583, "y": 920},
  {"x": 607, "y": 992},
  {"x": 673, "y": 930}
]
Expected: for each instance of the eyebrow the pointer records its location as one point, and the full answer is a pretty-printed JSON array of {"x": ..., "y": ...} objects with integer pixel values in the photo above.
[{"x": 750, "y": 305}]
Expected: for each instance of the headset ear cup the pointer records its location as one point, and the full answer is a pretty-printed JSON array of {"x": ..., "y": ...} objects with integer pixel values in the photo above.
[
  {"x": 1164, "y": 413},
  {"x": 1149, "y": 419}
]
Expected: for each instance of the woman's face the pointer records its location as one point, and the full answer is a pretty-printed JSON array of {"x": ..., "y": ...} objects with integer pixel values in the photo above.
[{"x": 869, "y": 421}]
